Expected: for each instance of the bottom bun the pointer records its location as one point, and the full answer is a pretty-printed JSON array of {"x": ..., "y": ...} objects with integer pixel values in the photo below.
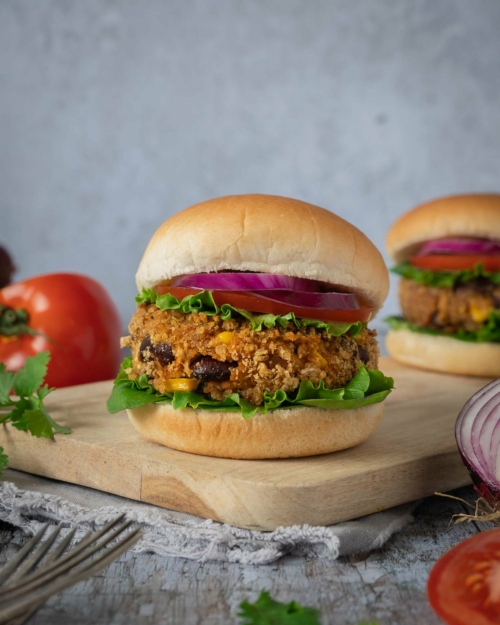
[
  {"x": 443, "y": 353},
  {"x": 285, "y": 433}
]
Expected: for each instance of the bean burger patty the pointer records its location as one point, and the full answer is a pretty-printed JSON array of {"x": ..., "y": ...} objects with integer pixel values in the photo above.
[
  {"x": 223, "y": 357},
  {"x": 466, "y": 306}
]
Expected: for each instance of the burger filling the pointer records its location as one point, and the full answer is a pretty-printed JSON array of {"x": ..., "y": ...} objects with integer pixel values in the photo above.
[
  {"x": 467, "y": 306},
  {"x": 221, "y": 357},
  {"x": 451, "y": 294},
  {"x": 202, "y": 349}
]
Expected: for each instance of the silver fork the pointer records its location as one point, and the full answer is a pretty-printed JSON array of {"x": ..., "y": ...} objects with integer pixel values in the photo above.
[{"x": 26, "y": 582}]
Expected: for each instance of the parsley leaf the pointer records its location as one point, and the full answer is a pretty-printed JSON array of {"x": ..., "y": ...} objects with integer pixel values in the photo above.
[
  {"x": 30, "y": 378},
  {"x": 3, "y": 460},
  {"x": 27, "y": 410},
  {"x": 267, "y": 611}
]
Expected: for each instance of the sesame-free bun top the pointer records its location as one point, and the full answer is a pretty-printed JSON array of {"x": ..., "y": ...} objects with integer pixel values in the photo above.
[
  {"x": 267, "y": 234},
  {"x": 473, "y": 215}
]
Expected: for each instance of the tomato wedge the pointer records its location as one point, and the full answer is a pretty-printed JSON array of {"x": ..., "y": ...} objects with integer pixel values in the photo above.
[
  {"x": 464, "y": 585},
  {"x": 255, "y": 303},
  {"x": 452, "y": 262}
]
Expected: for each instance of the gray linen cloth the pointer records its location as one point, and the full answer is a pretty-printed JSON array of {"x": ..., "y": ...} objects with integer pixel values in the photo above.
[{"x": 28, "y": 501}]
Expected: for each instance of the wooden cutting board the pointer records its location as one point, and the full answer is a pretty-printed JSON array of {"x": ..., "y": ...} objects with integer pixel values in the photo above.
[{"x": 411, "y": 455}]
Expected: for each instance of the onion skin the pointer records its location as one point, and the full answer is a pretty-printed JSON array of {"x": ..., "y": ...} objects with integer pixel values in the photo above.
[{"x": 480, "y": 487}]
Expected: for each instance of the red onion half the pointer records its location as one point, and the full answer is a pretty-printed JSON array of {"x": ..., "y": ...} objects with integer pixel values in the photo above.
[
  {"x": 477, "y": 432},
  {"x": 480, "y": 247}
]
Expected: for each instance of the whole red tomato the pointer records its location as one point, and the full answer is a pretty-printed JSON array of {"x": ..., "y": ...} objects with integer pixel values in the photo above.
[{"x": 70, "y": 315}]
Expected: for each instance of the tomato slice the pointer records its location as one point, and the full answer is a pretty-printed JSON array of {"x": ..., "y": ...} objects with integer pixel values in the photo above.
[
  {"x": 452, "y": 262},
  {"x": 254, "y": 303},
  {"x": 464, "y": 585}
]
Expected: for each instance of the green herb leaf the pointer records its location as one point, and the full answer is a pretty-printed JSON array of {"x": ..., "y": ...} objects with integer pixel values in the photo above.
[
  {"x": 6, "y": 383},
  {"x": 489, "y": 333},
  {"x": 30, "y": 378},
  {"x": 28, "y": 412},
  {"x": 444, "y": 278},
  {"x": 267, "y": 611},
  {"x": 204, "y": 302},
  {"x": 367, "y": 387},
  {"x": 4, "y": 460}
]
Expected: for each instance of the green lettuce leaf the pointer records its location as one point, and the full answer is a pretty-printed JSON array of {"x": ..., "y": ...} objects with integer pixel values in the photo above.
[
  {"x": 444, "y": 278},
  {"x": 367, "y": 387},
  {"x": 489, "y": 333},
  {"x": 204, "y": 302}
]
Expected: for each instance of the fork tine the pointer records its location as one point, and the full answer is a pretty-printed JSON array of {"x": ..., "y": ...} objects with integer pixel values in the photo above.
[
  {"x": 35, "y": 598},
  {"x": 65, "y": 563},
  {"x": 34, "y": 558},
  {"x": 51, "y": 557},
  {"x": 83, "y": 550},
  {"x": 112, "y": 553},
  {"x": 61, "y": 548},
  {"x": 22, "y": 553}
]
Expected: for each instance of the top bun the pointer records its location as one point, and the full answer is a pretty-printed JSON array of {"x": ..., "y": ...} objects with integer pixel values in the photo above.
[
  {"x": 474, "y": 215},
  {"x": 267, "y": 234}
]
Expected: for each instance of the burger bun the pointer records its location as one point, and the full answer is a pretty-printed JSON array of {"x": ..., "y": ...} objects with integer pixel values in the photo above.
[
  {"x": 445, "y": 354},
  {"x": 283, "y": 433}
]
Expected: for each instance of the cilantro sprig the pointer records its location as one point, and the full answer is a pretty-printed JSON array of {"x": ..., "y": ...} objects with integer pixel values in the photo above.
[
  {"x": 267, "y": 611},
  {"x": 27, "y": 411}
]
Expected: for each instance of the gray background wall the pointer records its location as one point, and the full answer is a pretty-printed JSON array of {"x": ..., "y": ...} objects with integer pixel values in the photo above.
[{"x": 116, "y": 114}]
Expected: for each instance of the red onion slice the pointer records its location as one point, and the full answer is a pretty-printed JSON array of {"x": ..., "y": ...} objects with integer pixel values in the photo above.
[
  {"x": 328, "y": 301},
  {"x": 234, "y": 281},
  {"x": 460, "y": 246},
  {"x": 477, "y": 432}
]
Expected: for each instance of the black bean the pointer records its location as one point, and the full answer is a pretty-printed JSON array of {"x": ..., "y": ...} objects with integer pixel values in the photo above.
[
  {"x": 161, "y": 352},
  {"x": 164, "y": 353},
  {"x": 435, "y": 320},
  {"x": 145, "y": 352},
  {"x": 209, "y": 369},
  {"x": 363, "y": 354}
]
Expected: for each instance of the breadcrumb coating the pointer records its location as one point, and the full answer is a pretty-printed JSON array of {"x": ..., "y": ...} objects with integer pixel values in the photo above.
[{"x": 255, "y": 361}]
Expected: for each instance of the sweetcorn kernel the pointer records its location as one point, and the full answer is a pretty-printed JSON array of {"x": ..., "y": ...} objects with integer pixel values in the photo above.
[
  {"x": 480, "y": 314},
  {"x": 225, "y": 337},
  {"x": 320, "y": 360},
  {"x": 181, "y": 384}
]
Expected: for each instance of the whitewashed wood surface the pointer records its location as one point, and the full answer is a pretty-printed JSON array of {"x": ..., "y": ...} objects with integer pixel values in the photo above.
[{"x": 387, "y": 585}]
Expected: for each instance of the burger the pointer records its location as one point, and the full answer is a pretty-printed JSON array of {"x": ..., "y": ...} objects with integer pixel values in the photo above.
[
  {"x": 250, "y": 338},
  {"x": 448, "y": 254}
]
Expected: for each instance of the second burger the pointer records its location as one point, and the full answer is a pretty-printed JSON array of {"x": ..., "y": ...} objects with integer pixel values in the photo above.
[{"x": 448, "y": 255}]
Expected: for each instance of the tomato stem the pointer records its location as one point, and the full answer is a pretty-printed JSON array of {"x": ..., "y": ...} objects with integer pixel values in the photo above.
[{"x": 14, "y": 321}]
